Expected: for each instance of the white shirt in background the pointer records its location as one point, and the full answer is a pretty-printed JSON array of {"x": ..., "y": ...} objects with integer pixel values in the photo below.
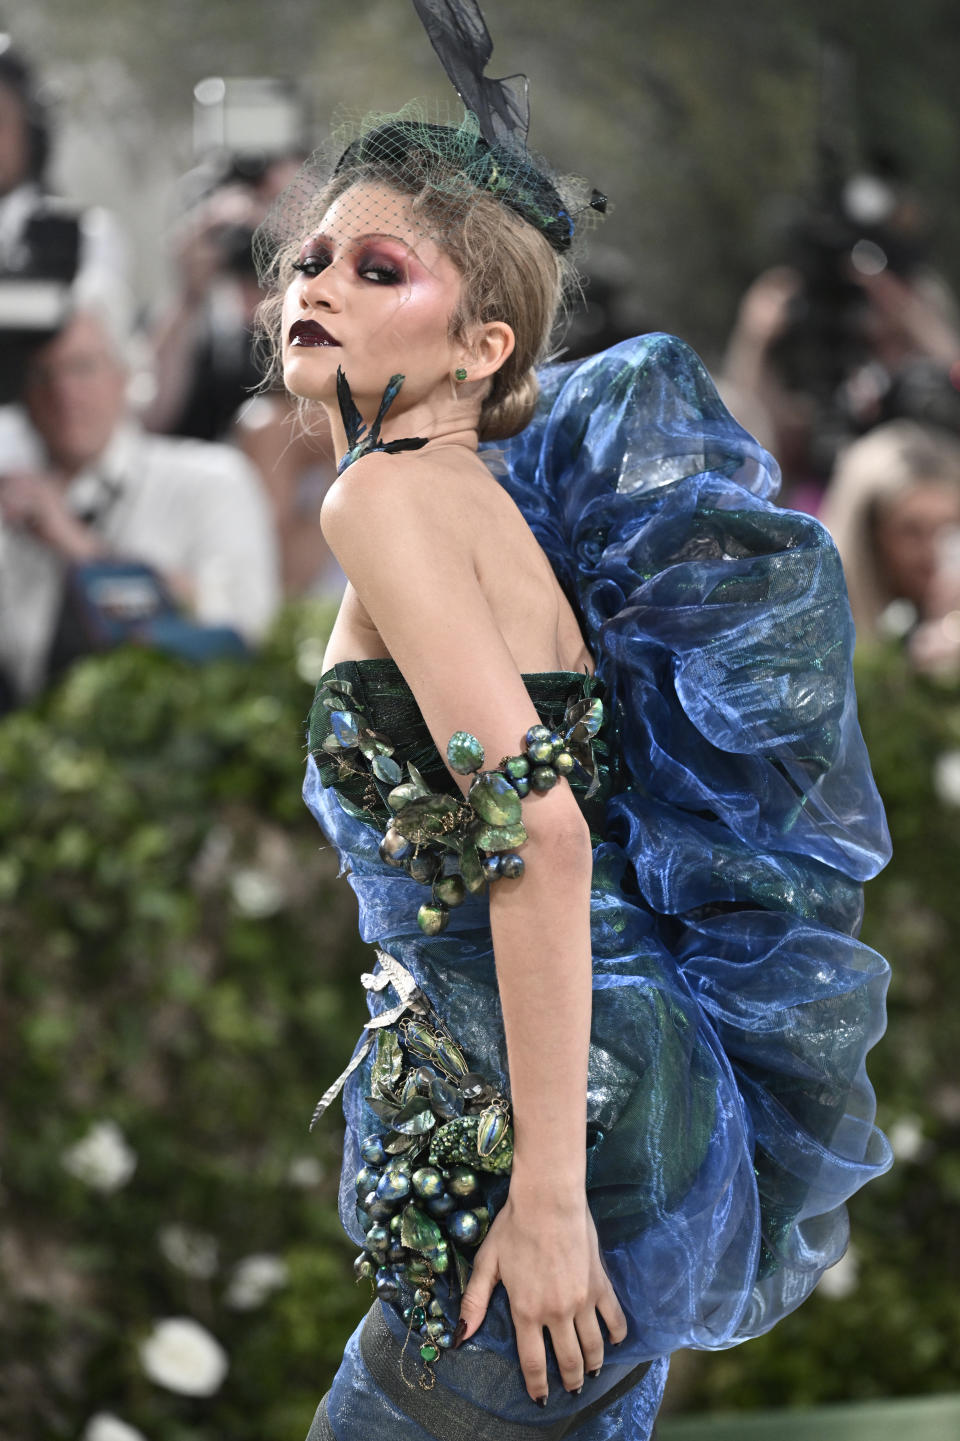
[{"x": 182, "y": 506}]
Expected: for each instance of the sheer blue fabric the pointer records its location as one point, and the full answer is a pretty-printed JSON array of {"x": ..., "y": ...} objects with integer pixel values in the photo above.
[{"x": 730, "y": 1115}]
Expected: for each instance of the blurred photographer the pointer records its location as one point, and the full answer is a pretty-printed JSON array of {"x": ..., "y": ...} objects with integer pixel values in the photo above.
[
  {"x": 204, "y": 366},
  {"x": 52, "y": 252},
  {"x": 81, "y": 483},
  {"x": 826, "y": 345},
  {"x": 855, "y": 331},
  {"x": 249, "y": 137}
]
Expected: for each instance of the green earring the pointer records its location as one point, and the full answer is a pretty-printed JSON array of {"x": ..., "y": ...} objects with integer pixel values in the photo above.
[{"x": 460, "y": 374}]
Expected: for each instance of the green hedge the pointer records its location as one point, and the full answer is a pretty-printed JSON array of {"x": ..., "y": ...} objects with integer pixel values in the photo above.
[
  {"x": 180, "y": 962},
  {"x": 179, "y": 969}
]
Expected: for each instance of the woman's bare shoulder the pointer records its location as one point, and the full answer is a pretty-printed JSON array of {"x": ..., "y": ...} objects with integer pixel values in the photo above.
[{"x": 425, "y": 495}]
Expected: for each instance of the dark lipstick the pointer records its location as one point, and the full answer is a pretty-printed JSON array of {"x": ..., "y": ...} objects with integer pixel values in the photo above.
[{"x": 308, "y": 332}]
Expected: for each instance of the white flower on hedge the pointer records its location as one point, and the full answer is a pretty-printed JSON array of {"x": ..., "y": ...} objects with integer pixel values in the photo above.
[
  {"x": 182, "y": 1356},
  {"x": 842, "y": 1278},
  {"x": 309, "y": 660},
  {"x": 194, "y": 1252},
  {"x": 906, "y": 1139},
  {"x": 946, "y": 777},
  {"x": 305, "y": 1171},
  {"x": 897, "y": 619},
  {"x": 256, "y": 893},
  {"x": 104, "y": 1427},
  {"x": 101, "y": 1158},
  {"x": 254, "y": 1279}
]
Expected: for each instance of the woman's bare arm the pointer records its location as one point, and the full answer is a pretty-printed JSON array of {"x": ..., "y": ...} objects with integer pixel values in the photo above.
[{"x": 396, "y": 526}]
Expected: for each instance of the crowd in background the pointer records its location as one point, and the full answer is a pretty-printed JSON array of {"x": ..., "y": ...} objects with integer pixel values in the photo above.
[
  {"x": 154, "y": 487},
  {"x": 151, "y": 487}
]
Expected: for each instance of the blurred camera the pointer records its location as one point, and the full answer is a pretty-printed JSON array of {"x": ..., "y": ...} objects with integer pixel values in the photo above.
[
  {"x": 235, "y": 243},
  {"x": 36, "y": 275},
  {"x": 925, "y": 391},
  {"x": 243, "y": 125},
  {"x": 111, "y": 602},
  {"x": 241, "y": 128}
]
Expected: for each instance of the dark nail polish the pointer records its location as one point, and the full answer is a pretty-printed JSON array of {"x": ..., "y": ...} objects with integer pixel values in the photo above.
[
  {"x": 594, "y": 1374},
  {"x": 459, "y": 1333},
  {"x": 540, "y": 1400}
]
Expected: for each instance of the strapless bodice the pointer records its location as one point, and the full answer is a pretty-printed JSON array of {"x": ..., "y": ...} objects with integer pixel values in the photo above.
[{"x": 384, "y": 698}]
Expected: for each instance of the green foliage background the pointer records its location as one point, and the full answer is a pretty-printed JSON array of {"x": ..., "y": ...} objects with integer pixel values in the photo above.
[
  {"x": 179, "y": 957},
  {"x": 697, "y": 119}
]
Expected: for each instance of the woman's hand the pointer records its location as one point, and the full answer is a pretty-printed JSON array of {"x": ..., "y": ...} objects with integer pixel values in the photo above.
[
  {"x": 765, "y": 306},
  {"x": 34, "y": 502},
  {"x": 547, "y": 1256}
]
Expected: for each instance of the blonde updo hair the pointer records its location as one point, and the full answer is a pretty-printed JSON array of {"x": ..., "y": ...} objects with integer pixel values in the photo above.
[{"x": 510, "y": 272}]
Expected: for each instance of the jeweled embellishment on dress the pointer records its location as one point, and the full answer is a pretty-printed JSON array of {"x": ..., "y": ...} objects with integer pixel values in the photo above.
[
  {"x": 458, "y": 844},
  {"x": 420, "y": 1191}
]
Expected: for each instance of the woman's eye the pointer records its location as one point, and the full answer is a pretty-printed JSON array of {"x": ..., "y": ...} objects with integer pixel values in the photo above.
[
  {"x": 380, "y": 273},
  {"x": 311, "y": 264}
]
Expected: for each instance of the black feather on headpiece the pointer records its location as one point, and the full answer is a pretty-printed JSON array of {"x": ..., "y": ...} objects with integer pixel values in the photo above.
[
  {"x": 458, "y": 32},
  {"x": 445, "y": 167}
]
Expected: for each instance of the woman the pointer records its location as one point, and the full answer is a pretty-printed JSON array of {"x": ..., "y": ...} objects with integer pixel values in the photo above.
[
  {"x": 664, "y": 983},
  {"x": 893, "y": 508}
]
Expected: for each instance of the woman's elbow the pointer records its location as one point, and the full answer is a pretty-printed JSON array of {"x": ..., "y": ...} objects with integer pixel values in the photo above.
[{"x": 560, "y": 831}]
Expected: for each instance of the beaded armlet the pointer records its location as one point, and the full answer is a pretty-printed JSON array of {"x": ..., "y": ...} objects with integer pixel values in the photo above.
[{"x": 459, "y": 844}]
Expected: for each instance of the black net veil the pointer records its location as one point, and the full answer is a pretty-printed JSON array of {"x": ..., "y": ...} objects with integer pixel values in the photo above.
[{"x": 443, "y": 163}]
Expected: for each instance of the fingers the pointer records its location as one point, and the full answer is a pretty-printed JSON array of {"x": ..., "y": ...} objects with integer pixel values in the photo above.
[
  {"x": 579, "y": 1311},
  {"x": 476, "y": 1298},
  {"x": 568, "y": 1349},
  {"x": 533, "y": 1360},
  {"x": 590, "y": 1341},
  {"x": 578, "y": 1346},
  {"x": 612, "y": 1314}
]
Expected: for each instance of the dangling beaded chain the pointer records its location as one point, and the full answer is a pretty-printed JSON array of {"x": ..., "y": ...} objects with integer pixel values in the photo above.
[
  {"x": 421, "y": 1200},
  {"x": 459, "y": 844}
]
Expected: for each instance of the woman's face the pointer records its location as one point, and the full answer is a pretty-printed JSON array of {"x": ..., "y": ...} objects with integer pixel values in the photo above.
[
  {"x": 909, "y": 535},
  {"x": 375, "y": 296}
]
